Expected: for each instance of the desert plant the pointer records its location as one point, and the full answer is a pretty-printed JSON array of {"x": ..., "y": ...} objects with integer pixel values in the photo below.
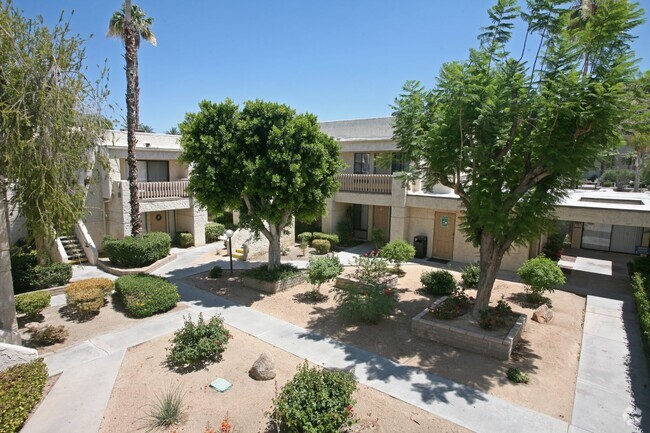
[
  {"x": 213, "y": 231},
  {"x": 322, "y": 246},
  {"x": 47, "y": 335},
  {"x": 21, "y": 388},
  {"x": 184, "y": 239},
  {"x": 515, "y": 375},
  {"x": 144, "y": 295},
  {"x": 469, "y": 276},
  {"x": 322, "y": 269},
  {"x": 167, "y": 410},
  {"x": 137, "y": 252},
  {"x": 215, "y": 272},
  {"x": 31, "y": 304},
  {"x": 398, "y": 251},
  {"x": 437, "y": 283},
  {"x": 315, "y": 400},
  {"x": 195, "y": 344},
  {"x": 85, "y": 301},
  {"x": 539, "y": 276}
]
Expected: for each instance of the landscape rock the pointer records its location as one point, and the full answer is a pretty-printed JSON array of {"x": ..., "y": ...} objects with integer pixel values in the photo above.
[
  {"x": 543, "y": 314},
  {"x": 11, "y": 355},
  {"x": 263, "y": 368}
]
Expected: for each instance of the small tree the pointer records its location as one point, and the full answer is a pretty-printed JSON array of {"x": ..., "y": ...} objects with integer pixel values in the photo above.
[
  {"x": 398, "y": 251},
  {"x": 540, "y": 275},
  {"x": 264, "y": 160},
  {"x": 321, "y": 270}
]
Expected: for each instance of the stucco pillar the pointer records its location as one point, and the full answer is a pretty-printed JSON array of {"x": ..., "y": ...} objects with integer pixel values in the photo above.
[
  {"x": 328, "y": 224},
  {"x": 399, "y": 211},
  {"x": 8, "y": 325}
]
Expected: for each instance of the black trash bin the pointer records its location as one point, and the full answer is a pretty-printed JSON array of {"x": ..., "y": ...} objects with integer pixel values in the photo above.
[{"x": 420, "y": 244}]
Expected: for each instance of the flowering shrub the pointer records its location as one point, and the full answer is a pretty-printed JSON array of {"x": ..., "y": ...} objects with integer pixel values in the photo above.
[
  {"x": 371, "y": 268},
  {"x": 496, "y": 317},
  {"x": 454, "y": 306}
]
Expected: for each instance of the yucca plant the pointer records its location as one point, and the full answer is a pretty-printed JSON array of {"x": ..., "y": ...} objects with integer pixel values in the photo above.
[{"x": 167, "y": 410}]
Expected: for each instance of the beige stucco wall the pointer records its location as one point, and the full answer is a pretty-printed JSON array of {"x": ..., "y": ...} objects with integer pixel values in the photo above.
[{"x": 177, "y": 171}]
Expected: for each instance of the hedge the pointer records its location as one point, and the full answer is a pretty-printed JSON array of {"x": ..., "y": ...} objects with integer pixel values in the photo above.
[
  {"x": 213, "y": 231},
  {"x": 32, "y": 304},
  {"x": 21, "y": 388},
  {"x": 642, "y": 304},
  {"x": 133, "y": 252},
  {"x": 332, "y": 238},
  {"x": 305, "y": 237},
  {"x": 145, "y": 295},
  {"x": 322, "y": 246},
  {"x": 184, "y": 239},
  {"x": 28, "y": 275}
]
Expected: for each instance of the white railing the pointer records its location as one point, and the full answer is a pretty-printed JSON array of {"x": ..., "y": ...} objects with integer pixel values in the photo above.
[
  {"x": 177, "y": 188},
  {"x": 367, "y": 183}
]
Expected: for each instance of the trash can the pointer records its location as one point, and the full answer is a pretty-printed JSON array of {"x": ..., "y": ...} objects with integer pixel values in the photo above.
[{"x": 420, "y": 244}]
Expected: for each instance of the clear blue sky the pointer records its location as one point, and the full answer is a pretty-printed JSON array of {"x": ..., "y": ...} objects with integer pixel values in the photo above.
[{"x": 338, "y": 59}]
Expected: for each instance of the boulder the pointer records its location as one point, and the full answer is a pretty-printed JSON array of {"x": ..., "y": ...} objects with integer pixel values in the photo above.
[
  {"x": 543, "y": 314},
  {"x": 263, "y": 368}
]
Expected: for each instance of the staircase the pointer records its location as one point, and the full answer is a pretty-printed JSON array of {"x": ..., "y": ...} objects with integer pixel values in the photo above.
[
  {"x": 239, "y": 254},
  {"x": 73, "y": 249}
]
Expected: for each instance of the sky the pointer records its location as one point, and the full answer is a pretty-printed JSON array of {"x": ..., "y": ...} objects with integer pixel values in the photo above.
[{"x": 338, "y": 59}]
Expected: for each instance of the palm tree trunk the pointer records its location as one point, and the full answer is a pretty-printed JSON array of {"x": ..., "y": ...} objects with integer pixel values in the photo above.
[{"x": 131, "y": 56}]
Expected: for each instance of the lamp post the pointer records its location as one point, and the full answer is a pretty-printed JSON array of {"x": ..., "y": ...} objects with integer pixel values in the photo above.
[{"x": 229, "y": 234}]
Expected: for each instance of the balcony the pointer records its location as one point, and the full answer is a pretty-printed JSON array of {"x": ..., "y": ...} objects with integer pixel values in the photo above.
[
  {"x": 157, "y": 190},
  {"x": 366, "y": 183}
]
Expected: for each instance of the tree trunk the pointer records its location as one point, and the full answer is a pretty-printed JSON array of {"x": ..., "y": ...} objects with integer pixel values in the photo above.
[
  {"x": 491, "y": 256},
  {"x": 275, "y": 253},
  {"x": 131, "y": 121},
  {"x": 8, "y": 325}
]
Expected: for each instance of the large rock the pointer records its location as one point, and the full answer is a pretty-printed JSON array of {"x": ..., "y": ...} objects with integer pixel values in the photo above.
[
  {"x": 543, "y": 314},
  {"x": 11, "y": 355},
  {"x": 263, "y": 368}
]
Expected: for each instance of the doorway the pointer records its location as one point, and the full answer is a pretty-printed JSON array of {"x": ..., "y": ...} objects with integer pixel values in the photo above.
[
  {"x": 158, "y": 222},
  {"x": 443, "y": 235}
]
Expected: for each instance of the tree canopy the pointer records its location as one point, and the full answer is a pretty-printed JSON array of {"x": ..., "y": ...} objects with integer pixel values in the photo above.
[
  {"x": 264, "y": 160},
  {"x": 512, "y": 135}
]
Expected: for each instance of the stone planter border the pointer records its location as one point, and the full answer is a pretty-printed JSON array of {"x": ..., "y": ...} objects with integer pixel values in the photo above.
[
  {"x": 105, "y": 265},
  {"x": 444, "y": 331},
  {"x": 273, "y": 286}
]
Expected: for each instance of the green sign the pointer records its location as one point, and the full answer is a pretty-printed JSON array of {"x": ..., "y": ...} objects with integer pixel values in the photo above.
[{"x": 444, "y": 221}]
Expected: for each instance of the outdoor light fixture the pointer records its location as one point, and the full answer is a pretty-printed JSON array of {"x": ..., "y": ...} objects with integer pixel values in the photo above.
[{"x": 229, "y": 234}]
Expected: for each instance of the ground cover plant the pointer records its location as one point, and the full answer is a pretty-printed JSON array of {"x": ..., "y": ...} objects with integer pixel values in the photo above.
[
  {"x": 145, "y": 295},
  {"x": 438, "y": 283},
  {"x": 539, "y": 276},
  {"x": 263, "y": 273},
  {"x": 196, "y": 344},
  {"x": 136, "y": 252},
  {"x": 315, "y": 400},
  {"x": 21, "y": 388},
  {"x": 31, "y": 304}
]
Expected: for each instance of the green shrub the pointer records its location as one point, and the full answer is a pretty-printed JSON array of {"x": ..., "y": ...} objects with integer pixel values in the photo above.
[
  {"x": 515, "y": 375},
  {"x": 398, "y": 251},
  {"x": 438, "y": 283},
  {"x": 642, "y": 303},
  {"x": 322, "y": 246},
  {"x": 305, "y": 237},
  {"x": 345, "y": 230},
  {"x": 641, "y": 265},
  {"x": 213, "y": 231},
  {"x": 323, "y": 269},
  {"x": 620, "y": 176},
  {"x": 184, "y": 239},
  {"x": 377, "y": 237},
  {"x": 47, "y": 335},
  {"x": 284, "y": 271},
  {"x": 215, "y": 272},
  {"x": 167, "y": 410},
  {"x": 31, "y": 304},
  {"x": 133, "y": 252},
  {"x": 196, "y": 344},
  {"x": 21, "y": 388},
  {"x": 470, "y": 275},
  {"x": 28, "y": 275},
  {"x": 368, "y": 303},
  {"x": 497, "y": 317},
  {"x": 144, "y": 295},
  {"x": 332, "y": 238},
  {"x": 539, "y": 276},
  {"x": 316, "y": 401},
  {"x": 85, "y": 300}
]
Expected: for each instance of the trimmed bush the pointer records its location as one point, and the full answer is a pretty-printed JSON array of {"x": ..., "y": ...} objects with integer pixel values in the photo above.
[
  {"x": 21, "y": 388},
  {"x": 48, "y": 335},
  {"x": 284, "y": 271},
  {"x": 539, "y": 276},
  {"x": 315, "y": 400},
  {"x": 196, "y": 344},
  {"x": 398, "y": 251},
  {"x": 215, "y": 272},
  {"x": 213, "y": 231},
  {"x": 470, "y": 275},
  {"x": 332, "y": 238},
  {"x": 133, "y": 252},
  {"x": 642, "y": 303},
  {"x": 28, "y": 275},
  {"x": 184, "y": 239},
  {"x": 322, "y": 246},
  {"x": 31, "y": 304},
  {"x": 85, "y": 301},
  {"x": 145, "y": 295},
  {"x": 305, "y": 236},
  {"x": 104, "y": 284},
  {"x": 439, "y": 283}
]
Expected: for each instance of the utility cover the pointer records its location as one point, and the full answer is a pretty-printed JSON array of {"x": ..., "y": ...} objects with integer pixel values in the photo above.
[{"x": 221, "y": 385}]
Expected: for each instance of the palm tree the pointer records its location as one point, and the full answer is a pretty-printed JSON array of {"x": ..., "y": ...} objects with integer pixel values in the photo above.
[
  {"x": 173, "y": 131},
  {"x": 130, "y": 24}
]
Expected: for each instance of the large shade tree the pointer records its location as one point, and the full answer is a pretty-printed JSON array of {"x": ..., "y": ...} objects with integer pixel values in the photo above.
[
  {"x": 637, "y": 123},
  {"x": 512, "y": 134},
  {"x": 50, "y": 124},
  {"x": 131, "y": 24},
  {"x": 264, "y": 160}
]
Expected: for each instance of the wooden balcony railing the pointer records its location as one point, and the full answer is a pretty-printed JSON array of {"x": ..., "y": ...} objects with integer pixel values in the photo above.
[
  {"x": 177, "y": 188},
  {"x": 366, "y": 183}
]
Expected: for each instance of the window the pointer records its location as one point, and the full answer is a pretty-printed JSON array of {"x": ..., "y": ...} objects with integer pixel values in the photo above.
[
  {"x": 361, "y": 163},
  {"x": 153, "y": 171}
]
